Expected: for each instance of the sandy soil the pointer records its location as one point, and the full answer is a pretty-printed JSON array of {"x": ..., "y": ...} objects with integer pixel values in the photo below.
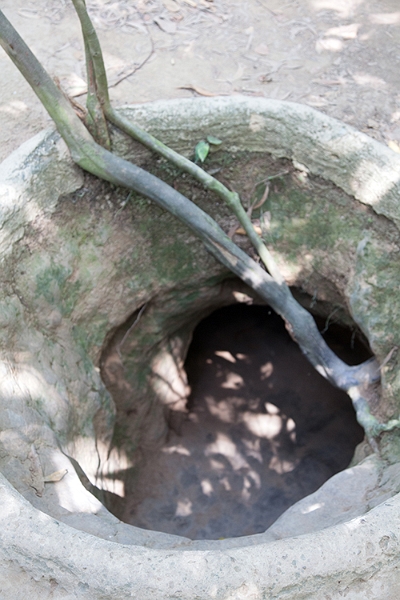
[{"x": 341, "y": 56}]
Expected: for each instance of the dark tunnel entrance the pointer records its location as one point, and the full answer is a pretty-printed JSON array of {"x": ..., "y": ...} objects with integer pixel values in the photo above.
[{"x": 263, "y": 430}]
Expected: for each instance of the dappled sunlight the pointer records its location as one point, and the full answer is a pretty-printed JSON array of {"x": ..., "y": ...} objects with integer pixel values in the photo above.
[
  {"x": 292, "y": 270},
  {"x": 72, "y": 496},
  {"x": 347, "y": 32},
  {"x": 390, "y": 18},
  {"x": 26, "y": 385},
  {"x": 224, "y": 446},
  {"x": 169, "y": 379},
  {"x": 344, "y": 8},
  {"x": 395, "y": 116},
  {"x": 207, "y": 487},
  {"x": 115, "y": 463},
  {"x": 58, "y": 473},
  {"x": 369, "y": 180},
  {"x": 331, "y": 44},
  {"x": 228, "y": 449},
  {"x": 266, "y": 370},
  {"x": 371, "y": 183},
  {"x": 216, "y": 465},
  {"x": 176, "y": 449},
  {"x": 248, "y": 448},
  {"x": 271, "y": 408},
  {"x": 226, "y": 355},
  {"x": 312, "y": 508},
  {"x": 233, "y": 381},
  {"x": 224, "y": 409},
  {"x": 253, "y": 449},
  {"x": 365, "y": 79},
  {"x": 263, "y": 426},
  {"x": 242, "y": 298},
  {"x": 250, "y": 481},
  {"x": 16, "y": 108},
  {"x": 224, "y": 482},
  {"x": 291, "y": 429},
  {"x": 334, "y": 39},
  {"x": 114, "y": 485},
  {"x": 184, "y": 508},
  {"x": 282, "y": 466}
]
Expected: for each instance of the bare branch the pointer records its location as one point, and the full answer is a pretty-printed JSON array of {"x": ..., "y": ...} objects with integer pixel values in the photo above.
[{"x": 98, "y": 160}]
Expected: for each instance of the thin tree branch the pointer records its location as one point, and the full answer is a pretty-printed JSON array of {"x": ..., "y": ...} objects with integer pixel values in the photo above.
[
  {"x": 230, "y": 198},
  {"x": 99, "y": 161},
  {"x": 59, "y": 108},
  {"x": 96, "y": 120}
]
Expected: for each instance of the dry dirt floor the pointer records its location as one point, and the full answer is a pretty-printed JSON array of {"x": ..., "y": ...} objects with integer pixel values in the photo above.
[
  {"x": 339, "y": 56},
  {"x": 263, "y": 430}
]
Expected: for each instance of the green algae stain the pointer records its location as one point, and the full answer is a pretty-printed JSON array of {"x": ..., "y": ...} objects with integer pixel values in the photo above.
[
  {"x": 89, "y": 339},
  {"x": 173, "y": 261},
  {"x": 54, "y": 284},
  {"x": 319, "y": 224}
]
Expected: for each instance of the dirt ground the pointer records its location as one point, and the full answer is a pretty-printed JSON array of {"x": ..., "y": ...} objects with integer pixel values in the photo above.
[
  {"x": 264, "y": 429},
  {"x": 340, "y": 56}
]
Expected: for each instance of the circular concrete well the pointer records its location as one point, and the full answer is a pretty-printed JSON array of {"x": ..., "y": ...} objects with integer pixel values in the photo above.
[{"x": 135, "y": 467}]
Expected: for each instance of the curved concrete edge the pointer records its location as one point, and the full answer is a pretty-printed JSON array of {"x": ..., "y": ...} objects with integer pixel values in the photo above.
[
  {"x": 356, "y": 163},
  {"x": 23, "y": 174},
  {"x": 363, "y": 553}
]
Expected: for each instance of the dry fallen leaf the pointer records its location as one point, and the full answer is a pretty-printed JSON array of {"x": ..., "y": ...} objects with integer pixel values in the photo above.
[
  {"x": 35, "y": 471},
  {"x": 28, "y": 13},
  {"x": 372, "y": 124},
  {"x": 241, "y": 231},
  {"x": 267, "y": 78},
  {"x": 74, "y": 85},
  {"x": 165, "y": 24},
  {"x": 331, "y": 44},
  {"x": 199, "y": 90},
  {"x": 329, "y": 82},
  {"x": 347, "y": 32},
  {"x": 56, "y": 476},
  {"x": 239, "y": 73},
  {"x": 385, "y": 18},
  {"x": 395, "y": 146},
  {"x": 171, "y": 5},
  {"x": 261, "y": 49}
]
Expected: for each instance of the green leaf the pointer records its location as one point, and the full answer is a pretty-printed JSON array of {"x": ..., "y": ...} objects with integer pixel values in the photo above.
[
  {"x": 201, "y": 151},
  {"x": 214, "y": 140}
]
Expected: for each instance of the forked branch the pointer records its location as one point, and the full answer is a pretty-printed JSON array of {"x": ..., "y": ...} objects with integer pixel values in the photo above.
[{"x": 99, "y": 161}]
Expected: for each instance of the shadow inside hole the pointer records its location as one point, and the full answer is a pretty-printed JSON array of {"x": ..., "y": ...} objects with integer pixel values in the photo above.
[{"x": 263, "y": 430}]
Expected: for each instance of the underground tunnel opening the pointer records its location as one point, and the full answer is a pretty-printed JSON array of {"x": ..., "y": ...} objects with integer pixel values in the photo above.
[{"x": 263, "y": 429}]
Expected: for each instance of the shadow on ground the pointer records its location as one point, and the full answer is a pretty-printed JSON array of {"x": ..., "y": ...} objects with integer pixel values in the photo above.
[{"x": 263, "y": 430}]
